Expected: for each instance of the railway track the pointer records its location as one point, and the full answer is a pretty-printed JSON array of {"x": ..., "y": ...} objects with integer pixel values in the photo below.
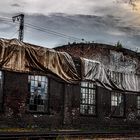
[{"x": 65, "y": 134}]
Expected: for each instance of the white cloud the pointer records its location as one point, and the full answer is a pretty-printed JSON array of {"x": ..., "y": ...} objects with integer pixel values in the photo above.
[
  {"x": 61, "y": 6},
  {"x": 54, "y": 6}
]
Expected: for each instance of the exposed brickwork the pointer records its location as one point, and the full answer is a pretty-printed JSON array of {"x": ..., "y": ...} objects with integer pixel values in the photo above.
[
  {"x": 15, "y": 104},
  {"x": 100, "y": 52},
  {"x": 103, "y": 119},
  {"x": 64, "y": 107},
  {"x": 64, "y": 101}
]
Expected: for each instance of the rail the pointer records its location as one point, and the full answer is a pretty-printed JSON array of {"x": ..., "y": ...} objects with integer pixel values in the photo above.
[{"x": 65, "y": 134}]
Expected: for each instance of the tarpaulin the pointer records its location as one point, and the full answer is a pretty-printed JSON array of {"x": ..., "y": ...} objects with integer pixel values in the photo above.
[
  {"x": 95, "y": 71},
  {"x": 23, "y": 57}
]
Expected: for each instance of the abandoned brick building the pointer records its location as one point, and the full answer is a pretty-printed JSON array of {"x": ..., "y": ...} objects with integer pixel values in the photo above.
[{"x": 83, "y": 86}]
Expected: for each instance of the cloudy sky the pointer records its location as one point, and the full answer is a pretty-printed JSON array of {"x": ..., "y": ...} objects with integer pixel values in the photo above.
[{"x": 53, "y": 23}]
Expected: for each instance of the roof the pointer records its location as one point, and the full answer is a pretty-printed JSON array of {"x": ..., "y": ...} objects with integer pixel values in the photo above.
[
  {"x": 23, "y": 57},
  {"x": 101, "y": 46},
  {"x": 120, "y": 74}
]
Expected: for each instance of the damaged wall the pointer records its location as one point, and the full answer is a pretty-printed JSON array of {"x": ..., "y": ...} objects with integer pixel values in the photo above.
[
  {"x": 118, "y": 68},
  {"x": 64, "y": 98},
  {"x": 117, "y": 59},
  {"x": 15, "y": 112}
]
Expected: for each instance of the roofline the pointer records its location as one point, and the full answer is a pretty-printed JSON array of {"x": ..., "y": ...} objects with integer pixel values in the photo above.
[{"x": 101, "y": 45}]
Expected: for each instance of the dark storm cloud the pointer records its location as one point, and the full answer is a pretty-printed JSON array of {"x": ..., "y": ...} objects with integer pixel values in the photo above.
[
  {"x": 105, "y": 29},
  {"x": 15, "y": 5}
]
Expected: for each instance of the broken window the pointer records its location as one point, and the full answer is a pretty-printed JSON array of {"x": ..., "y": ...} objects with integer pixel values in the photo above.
[
  {"x": 1, "y": 90},
  {"x": 117, "y": 104},
  {"x": 88, "y": 98},
  {"x": 38, "y": 93},
  {"x": 138, "y": 105}
]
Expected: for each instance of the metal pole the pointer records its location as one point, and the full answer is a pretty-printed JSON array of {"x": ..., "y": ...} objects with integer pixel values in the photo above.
[{"x": 20, "y": 18}]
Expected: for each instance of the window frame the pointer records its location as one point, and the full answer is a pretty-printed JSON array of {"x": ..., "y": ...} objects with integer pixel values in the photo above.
[
  {"x": 2, "y": 88},
  {"x": 95, "y": 97},
  {"x": 46, "y": 105},
  {"x": 124, "y": 104},
  {"x": 137, "y": 108}
]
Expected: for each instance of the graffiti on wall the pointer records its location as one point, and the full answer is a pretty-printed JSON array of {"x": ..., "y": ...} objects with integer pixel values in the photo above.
[{"x": 122, "y": 63}]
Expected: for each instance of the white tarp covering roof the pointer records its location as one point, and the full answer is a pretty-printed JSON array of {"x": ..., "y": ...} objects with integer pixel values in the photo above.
[{"x": 95, "y": 71}]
